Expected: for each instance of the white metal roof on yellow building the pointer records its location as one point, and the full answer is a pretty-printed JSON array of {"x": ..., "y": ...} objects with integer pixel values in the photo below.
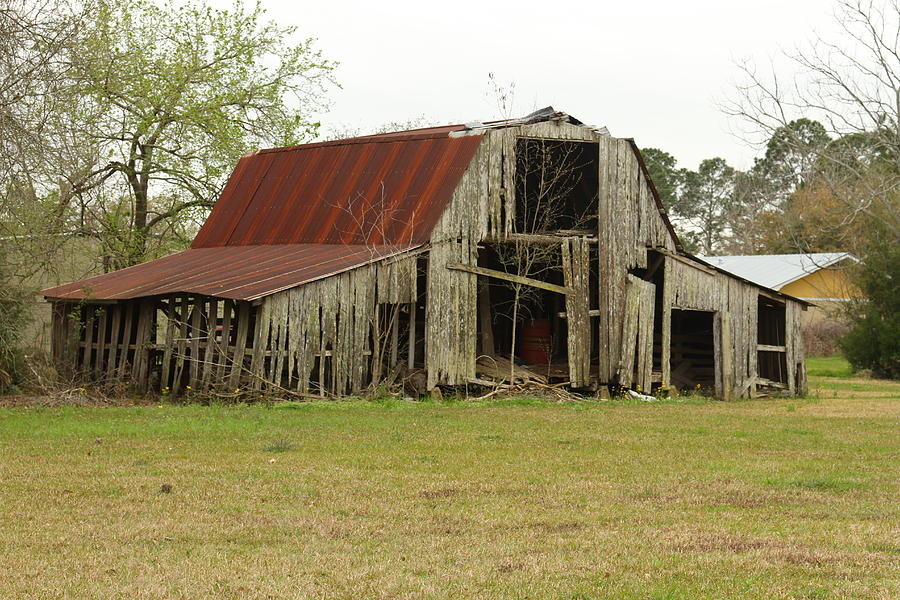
[{"x": 778, "y": 270}]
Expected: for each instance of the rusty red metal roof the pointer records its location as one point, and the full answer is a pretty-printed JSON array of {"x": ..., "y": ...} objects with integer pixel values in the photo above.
[
  {"x": 234, "y": 272},
  {"x": 381, "y": 189}
]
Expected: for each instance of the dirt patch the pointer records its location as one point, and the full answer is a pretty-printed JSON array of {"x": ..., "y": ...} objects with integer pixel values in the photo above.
[
  {"x": 724, "y": 542},
  {"x": 71, "y": 398},
  {"x": 439, "y": 493}
]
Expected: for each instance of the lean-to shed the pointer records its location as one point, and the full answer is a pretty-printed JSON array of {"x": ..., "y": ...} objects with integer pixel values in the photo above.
[{"x": 326, "y": 267}]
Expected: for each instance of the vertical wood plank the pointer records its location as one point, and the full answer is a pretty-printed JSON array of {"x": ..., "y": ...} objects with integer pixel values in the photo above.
[
  {"x": 240, "y": 344},
  {"x": 168, "y": 343},
  {"x": 141, "y": 350},
  {"x": 115, "y": 341},
  {"x": 99, "y": 361},
  {"x": 196, "y": 334},
  {"x": 86, "y": 361},
  {"x": 181, "y": 344},
  {"x": 127, "y": 332},
  {"x": 211, "y": 323},
  {"x": 224, "y": 347}
]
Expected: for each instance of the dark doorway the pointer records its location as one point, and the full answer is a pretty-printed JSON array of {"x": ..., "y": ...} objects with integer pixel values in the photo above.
[
  {"x": 693, "y": 350},
  {"x": 770, "y": 339}
]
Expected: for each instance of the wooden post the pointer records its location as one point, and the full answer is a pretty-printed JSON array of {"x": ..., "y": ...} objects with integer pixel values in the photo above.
[
  {"x": 227, "y": 307},
  {"x": 411, "y": 363},
  {"x": 212, "y": 318},
  {"x": 395, "y": 335},
  {"x": 727, "y": 355},
  {"x": 180, "y": 344},
  {"x": 196, "y": 332},
  {"x": 126, "y": 338},
  {"x": 240, "y": 344},
  {"x": 484, "y": 316},
  {"x": 101, "y": 343},
  {"x": 88, "y": 340},
  {"x": 141, "y": 351},
  {"x": 168, "y": 343},
  {"x": 114, "y": 342}
]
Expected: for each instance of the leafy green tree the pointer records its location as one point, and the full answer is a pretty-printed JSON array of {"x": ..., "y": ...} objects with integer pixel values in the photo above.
[
  {"x": 665, "y": 174},
  {"x": 874, "y": 341},
  {"x": 790, "y": 159},
  {"x": 159, "y": 102}
]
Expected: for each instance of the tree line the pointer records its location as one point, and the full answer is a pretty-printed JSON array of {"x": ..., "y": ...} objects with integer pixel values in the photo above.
[{"x": 787, "y": 202}]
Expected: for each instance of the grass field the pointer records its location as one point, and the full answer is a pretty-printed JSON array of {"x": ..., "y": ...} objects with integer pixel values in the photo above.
[{"x": 778, "y": 498}]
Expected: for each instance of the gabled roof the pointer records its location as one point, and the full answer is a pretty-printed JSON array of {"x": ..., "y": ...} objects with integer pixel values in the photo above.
[
  {"x": 290, "y": 215},
  {"x": 778, "y": 270},
  {"x": 387, "y": 189}
]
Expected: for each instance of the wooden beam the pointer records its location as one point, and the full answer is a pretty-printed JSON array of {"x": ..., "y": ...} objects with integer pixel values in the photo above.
[
  {"x": 193, "y": 369},
  {"x": 395, "y": 334},
  {"x": 550, "y": 287},
  {"x": 685, "y": 261},
  {"x": 88, "y": 339},
  {"x": 535, "y": 238},
  {"x": 114, "y": 343},
  {"x": 126, "y": 338},
  {"x": 168, "y": 343},
  {"x": 101, "y": 343},
  {"x": 768, "y": 348},
  {"x": 411, "y": 362},
  {"x": 227, "y": 307},
  {"x": 594, "y": 312},
  {"x": 240, "y": 343}
]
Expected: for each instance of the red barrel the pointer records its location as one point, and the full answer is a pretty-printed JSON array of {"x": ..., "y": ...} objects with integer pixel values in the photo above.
[{"x": 535, "y": 345}]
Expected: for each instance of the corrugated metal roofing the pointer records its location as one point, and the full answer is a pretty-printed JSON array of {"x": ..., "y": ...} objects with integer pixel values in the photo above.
[
  {"x": 777, "y": 270},
  {"x": 383, "y": 189},
  {"x": 234, "y": 272}
]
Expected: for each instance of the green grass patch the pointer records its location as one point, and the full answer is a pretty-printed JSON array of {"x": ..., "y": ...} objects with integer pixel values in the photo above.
[
  {"x": 687, "y": 498},
  {"x": 828, "y": 366}
]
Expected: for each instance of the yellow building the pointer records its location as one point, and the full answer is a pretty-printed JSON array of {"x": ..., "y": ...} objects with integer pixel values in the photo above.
[
  {"x": 821, "y": 279},
  {"x": 818, "y": 278}
]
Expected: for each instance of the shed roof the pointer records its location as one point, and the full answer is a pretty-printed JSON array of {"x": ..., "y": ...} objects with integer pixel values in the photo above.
[
  {"x": 234, "y": 272},
  {"x": 777, "y": 270}
]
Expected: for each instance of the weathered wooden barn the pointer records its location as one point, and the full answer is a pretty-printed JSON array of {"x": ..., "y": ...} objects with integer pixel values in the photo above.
[{"x": 326, "y": 267}]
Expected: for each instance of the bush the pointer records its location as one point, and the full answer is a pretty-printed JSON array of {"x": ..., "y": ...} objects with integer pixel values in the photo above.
[
  {"x": 822, "y": 336},
  {"x": 873, "y": 341},
  {"x": 13, "y": 317}
]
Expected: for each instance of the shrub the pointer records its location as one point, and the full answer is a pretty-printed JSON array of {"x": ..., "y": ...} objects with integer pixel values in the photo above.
[
  {"x": 873, "y": 341},
  {"x": 13, "y": 317}
]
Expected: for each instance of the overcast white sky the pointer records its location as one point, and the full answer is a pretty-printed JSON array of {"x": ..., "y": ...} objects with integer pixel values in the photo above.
[{"x": 650, "y": 69}]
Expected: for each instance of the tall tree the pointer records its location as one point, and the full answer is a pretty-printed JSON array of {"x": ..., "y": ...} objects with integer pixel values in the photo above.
[
  {"x": 704, "y": 208},
  {"x": 851, "y": 85},
  {"x": 154, "y": 106},
  {"x": 790, "y": 158},
  {"x": 664, "y": 173}
]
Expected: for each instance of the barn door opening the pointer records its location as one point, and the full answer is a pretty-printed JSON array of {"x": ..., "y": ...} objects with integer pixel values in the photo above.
[
  {"x": 693, "y": 350},
  {"x": 770, "y": 337}
]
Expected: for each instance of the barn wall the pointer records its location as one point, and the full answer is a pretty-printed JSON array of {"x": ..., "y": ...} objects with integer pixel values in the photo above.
[
  {"x": 483, "y": 206},
  {"x": 336, "y": 318},
  {"x": 629, "y": 222},
  {"x": 735, "y": 302}
]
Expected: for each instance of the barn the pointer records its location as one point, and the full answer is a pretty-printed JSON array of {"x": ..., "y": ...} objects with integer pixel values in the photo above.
[{"x": 534, "y": 245}]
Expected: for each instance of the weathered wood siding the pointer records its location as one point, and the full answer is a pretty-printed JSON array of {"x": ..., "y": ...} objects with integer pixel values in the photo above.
[
  {"x": 629, "y": 222},
  {"x": 335, "y": 318},
  {"x": 735, "y": 302}
]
